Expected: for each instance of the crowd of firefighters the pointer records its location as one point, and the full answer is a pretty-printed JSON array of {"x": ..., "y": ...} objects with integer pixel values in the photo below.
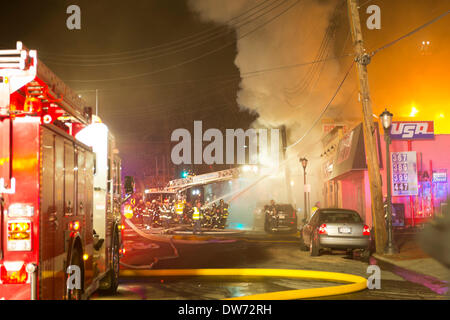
[{"x": 170, "y": 213}]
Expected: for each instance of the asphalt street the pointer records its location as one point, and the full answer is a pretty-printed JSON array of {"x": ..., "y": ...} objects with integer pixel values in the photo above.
[{"x": 241, "y": 250}]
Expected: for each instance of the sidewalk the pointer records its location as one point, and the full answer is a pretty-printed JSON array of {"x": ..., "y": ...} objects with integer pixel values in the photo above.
[{"x": 414, "y": 265}]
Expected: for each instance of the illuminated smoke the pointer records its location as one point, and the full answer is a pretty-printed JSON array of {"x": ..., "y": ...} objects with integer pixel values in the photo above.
[{"x": 294, "y": 96}]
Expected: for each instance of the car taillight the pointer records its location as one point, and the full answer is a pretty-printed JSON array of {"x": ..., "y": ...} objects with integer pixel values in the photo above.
[
  {"x": 323, "y": 229},
  {"x": 366, "y": 231},
  {"x": 13, "y": 273},
  {"x": 19, "y": 235},
  {"x": 74, "y": 226}
]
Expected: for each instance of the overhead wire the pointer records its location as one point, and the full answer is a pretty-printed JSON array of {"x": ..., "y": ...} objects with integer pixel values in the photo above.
[
  {"x": 188, "y": 98},
  {"x": 222, "y": 77},
  {"x": 169, "y": 43},
  {"x": 166, "y": 52},
  {"x": 174, "y": 66},
  {"x": 372, "y": 54},
  {"x": 426, "y": 24},
  {"x": 312, "y": 76},
  {"x": 324, "y": 110}
]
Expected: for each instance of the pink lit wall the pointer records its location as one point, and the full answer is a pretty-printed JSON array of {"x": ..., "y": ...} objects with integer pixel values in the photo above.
[{"x": 437, "y": 151}]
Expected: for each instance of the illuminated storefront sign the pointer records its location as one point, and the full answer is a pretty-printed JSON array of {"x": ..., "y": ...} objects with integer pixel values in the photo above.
[
  {"x": 406, "y": 130},
  {"x": 440, "y": 176}
]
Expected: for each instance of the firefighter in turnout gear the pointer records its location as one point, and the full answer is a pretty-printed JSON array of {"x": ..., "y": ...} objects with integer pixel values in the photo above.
[
  {"x": 208, "y": 217},
  {"x": 223, "y": 209},
  {"x": 148, "y": 216},
  {"x": 214, "y": 214},
  {"x": 179, "y": 210},
  {"x": 165, "y": 214},
  {"x": 197, "y": 217}
]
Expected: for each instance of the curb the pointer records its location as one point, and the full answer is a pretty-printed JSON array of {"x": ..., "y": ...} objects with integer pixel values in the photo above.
[{"x": 436, "y": 285}]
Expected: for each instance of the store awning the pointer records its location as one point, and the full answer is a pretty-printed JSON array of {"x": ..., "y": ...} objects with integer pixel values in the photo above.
[{"x": 351, "y": 154}]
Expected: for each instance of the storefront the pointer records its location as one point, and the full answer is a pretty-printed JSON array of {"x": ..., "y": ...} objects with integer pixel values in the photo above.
[{"x": 420, "y": 162}]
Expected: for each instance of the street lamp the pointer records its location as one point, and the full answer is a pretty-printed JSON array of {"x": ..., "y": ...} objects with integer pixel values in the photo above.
[
  {"x": 386, "y": 121},
  {"x": 304, "y": 163}
]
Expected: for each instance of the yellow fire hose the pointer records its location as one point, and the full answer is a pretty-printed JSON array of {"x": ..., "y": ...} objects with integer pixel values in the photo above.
[{"x": 356, "y": 283}]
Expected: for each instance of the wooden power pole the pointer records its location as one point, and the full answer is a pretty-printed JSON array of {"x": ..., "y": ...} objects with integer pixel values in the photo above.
[{"x": 363, "y": 59}]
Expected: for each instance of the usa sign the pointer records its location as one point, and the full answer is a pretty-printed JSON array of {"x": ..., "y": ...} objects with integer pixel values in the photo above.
[{"x": 412, "y": 130}]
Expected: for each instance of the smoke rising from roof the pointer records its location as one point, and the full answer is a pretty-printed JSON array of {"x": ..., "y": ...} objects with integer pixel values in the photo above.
[
  {"x": 274, "y": 34},
  {"x": 278, "y": 35}
]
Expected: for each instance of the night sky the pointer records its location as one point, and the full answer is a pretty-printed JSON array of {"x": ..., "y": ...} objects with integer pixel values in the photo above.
[{"x": 147, "y": 107}]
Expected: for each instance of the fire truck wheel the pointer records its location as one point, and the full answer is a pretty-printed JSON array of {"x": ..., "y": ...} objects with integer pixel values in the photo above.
[
  {"x": 112, "y": 279},
  {"x": 76, "y": 259}
]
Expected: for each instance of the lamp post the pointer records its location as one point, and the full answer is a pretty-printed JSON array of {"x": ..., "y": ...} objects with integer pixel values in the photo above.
[
  {"x": 304, "y": 163},
  {"x": 386, "y": 121}
]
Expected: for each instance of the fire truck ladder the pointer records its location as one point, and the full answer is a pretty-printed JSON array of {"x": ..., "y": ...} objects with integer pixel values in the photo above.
[
  {"x": 180, "y": 185},
  {"x": 21, "y": 67}
]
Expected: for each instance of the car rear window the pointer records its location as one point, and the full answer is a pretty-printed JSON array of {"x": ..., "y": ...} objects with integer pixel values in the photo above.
[
  {"x": 339, "y": 216},
  {"x": 285, "y": 208}
]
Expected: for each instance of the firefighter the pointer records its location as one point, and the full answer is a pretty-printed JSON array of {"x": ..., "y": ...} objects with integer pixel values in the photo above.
[
  {"x": 165, "y": 214},
  {"x": 272, "y": 207},
  {"x": 271, "y": 216},
  {"x": 211, "y": 216},
  {"x": 152, "y": 212},
  {"x": 148, "y": 215},
  {"x": 214, "y": 216},
  {"x": 140, "y": 209},
  {"x": 223, "y": 209},
  {"x": 157, "y": 214},
  {"x": 315, "y": 208},
  {"x": 197, "y": 217},
  {"x": 179, "y": 210}
]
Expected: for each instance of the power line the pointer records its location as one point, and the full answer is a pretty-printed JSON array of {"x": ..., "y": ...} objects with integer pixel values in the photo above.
[
  {"x": 410, "y": 33},
  {"x": 223, "y": 77},
  {"x": 361, "y": 5},
  {"x": 192, "y": 59},
  {"x": 193, "y": 36},
  {"x": 167, "y": 51},
  {"x": 346, "y": 75},
  {"x": 324, "y": 109},
  {"x": 313, "y": 71},
  {"x": 188, "y": 98}
]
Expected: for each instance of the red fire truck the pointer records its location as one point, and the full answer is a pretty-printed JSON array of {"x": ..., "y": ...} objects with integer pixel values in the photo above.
[{"x": 60, "y": 188}]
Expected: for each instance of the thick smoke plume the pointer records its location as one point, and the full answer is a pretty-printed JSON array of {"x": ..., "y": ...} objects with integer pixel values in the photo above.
[{"x": 270, "y": 36}]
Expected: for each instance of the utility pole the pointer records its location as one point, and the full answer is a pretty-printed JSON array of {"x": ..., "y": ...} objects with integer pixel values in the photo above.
[{"x": 363, "y": 59}]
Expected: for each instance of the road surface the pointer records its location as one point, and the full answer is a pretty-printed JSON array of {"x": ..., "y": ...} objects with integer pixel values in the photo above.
[{"x": 241, "y": 250}]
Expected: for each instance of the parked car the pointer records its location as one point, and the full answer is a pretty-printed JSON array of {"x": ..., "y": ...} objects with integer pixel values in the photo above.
[
  {"x": 335, "y": 229},
  {"x": 283, "y": 218}
]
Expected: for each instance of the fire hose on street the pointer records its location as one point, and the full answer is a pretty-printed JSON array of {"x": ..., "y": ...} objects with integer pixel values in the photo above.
[{"x": 354, "y": 283}]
